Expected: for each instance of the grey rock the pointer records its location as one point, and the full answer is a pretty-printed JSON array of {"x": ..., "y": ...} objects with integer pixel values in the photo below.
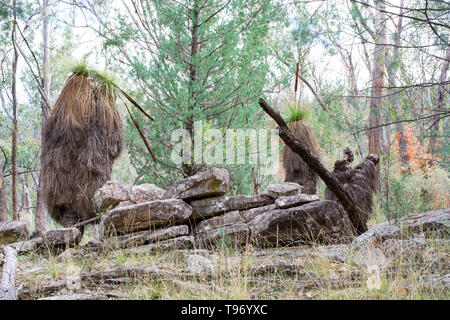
[
  {"x": 407, "y": 249},
  {"x": 13, "y": 231},
  {"x": 62, "y": 237},
  {"x": 111, "y": 194},
  {"x": 295, "y": 200},
  {"x": 200, "y": 265},
  {"x": 218, "y": 205},
  {"x": 283, "y": 189},
  {"x": 226, "y": 236},
  {"x": 146, "y": 192},
  {"x": 430, "y": 223},
  {"x": 148, "y": 236},
  {"x": 213, "y": 182},
  {"x": 144, "y": 216},
  {"x": 184, "y": 242},
  {"x": 319, "y": 221},
  {"x": 230, "y": 218},
  {"x": 378, "y": 233},
  {"x": 249, "y": 214},
  {"x": 66, "y": 255}
]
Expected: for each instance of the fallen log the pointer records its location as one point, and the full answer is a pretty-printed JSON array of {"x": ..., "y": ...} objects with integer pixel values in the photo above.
[
  {"x": 352, "y": 208},
  {"x": 8, "y": 279}
]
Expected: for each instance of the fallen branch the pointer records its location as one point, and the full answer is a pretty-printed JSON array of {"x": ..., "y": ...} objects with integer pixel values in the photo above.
[
  {"x": 8, "y": 279},
  {"x": 352, "y": 208}
]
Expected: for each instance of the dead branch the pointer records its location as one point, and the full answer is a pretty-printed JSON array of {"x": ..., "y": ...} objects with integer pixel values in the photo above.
[
  {"x": 8, "y": 279},
  {"x": 352, "y": 208}
]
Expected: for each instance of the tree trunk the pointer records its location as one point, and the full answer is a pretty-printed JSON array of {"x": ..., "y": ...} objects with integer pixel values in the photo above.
[
  {"x": 352, "y": 208},
  {"x": 40, "y": 205},
  {"x": 439, "y": 102},
  {"x": 8, "y": 278},
  {"x": 190, "y": 169},
  {"x": 375, "y": 135},
  {"x": 392, "y": 99},
  {"x": 14, "y": 132},
  {"x": 3, "y": 208}
]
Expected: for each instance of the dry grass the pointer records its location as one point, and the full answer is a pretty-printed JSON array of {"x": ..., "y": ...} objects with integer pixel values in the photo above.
[{"x": 316, "y": 276}]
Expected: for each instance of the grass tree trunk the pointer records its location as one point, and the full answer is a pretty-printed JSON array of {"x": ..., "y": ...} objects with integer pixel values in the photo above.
[{"x": 375, "y": 135}]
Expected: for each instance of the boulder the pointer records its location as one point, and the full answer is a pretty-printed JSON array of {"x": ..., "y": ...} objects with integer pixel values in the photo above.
[
  {"x": 318, "y": 221},
  {"x": 146, "y": 192},
  {"x": 283, "y": 189},
  {"x": 430, "y": 223},
  {"x": 200, "y": 265},
  {"x": 209, "y": 207},
  {"x": 226, "y": 236},
  {"x": 110, "y": 194},
  {"x": 378, "y": 233},
  {"x": 406, "y": 249},
  {"x": 249, "y": 214},
  {"x": 13, "y": 231},
  {"x": 144, "y": 216},
  {"x": 227, "y": 229},
  {"x": 66, "y": 237},
  {"x": 218, "y": 222},
  {"x": 213, "y": 182},
  {"x": 295, "y": 200},
  {"x": 184, "y": 242},
  {"x": 148, "y": 236}
]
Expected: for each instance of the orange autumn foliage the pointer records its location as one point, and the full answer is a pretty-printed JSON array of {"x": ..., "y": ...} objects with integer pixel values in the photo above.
[{"x": 419, "y": 158}]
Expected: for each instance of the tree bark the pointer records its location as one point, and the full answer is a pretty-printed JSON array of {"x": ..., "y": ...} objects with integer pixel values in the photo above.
[
  {"x": 314, "y": 163},
  {"x": 392, "y": 99},
  {"x": 40, "y": 205},
  {"x": 375, "y": 135},
  {"x": 8, "y": 279},
  {"x": 3, "y": 208},
  {"x": 439, "y": 102},
  {"x": 15, "y": 129}
]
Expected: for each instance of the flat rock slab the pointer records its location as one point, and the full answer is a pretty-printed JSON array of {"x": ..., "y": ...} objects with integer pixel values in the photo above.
[
  {"x": 62, "y": 237},
  {"x": 111, "y": 194},
  {"x": 283, "y": 189},
  {"x": 226, "y": 236},
  {"x": 319, "y": 221},
  {"x": 149, "y": 236},
  {"x": 218, "y": 205},
  {"x": 230, "y": 218},
  {"x": 28, "y": 245},
  {"x": 13, "y": 231},
  {"x": 144, "y": 216},
  {"x": 378, "y": 233},
  {"x": 184, "y": 242},
  {"x": 249, "y": 214},
  {"x": 430, "y": 223},
  {"x": 295, "y": 200},
  {"x": 213, "y": 182},
  {"x": 146, "y": 192}
]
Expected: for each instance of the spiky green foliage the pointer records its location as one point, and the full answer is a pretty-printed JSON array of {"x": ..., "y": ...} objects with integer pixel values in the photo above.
[
  {"x": 295, "y": 113},
  {"x": 104, "y": 80}
]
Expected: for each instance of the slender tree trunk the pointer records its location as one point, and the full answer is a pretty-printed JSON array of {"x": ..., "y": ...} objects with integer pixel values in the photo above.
[
  {"x": 392, "y": 99},
  {"x": 375, "y": 135},
  {"x": 40, "y": 205},
  {"x": 189, "y": 169},
  {"x": 439, "y": 102},
  {"x": 3, "y": 208},
  {"x": 14, "y": 133}
]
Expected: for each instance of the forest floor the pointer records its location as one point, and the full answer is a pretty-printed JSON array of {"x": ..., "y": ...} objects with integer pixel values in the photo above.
[{"x": 299, "y": 272}]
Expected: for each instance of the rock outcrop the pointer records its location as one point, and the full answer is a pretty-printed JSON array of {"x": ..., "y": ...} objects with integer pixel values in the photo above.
[{"x": 13, "y": 231}]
